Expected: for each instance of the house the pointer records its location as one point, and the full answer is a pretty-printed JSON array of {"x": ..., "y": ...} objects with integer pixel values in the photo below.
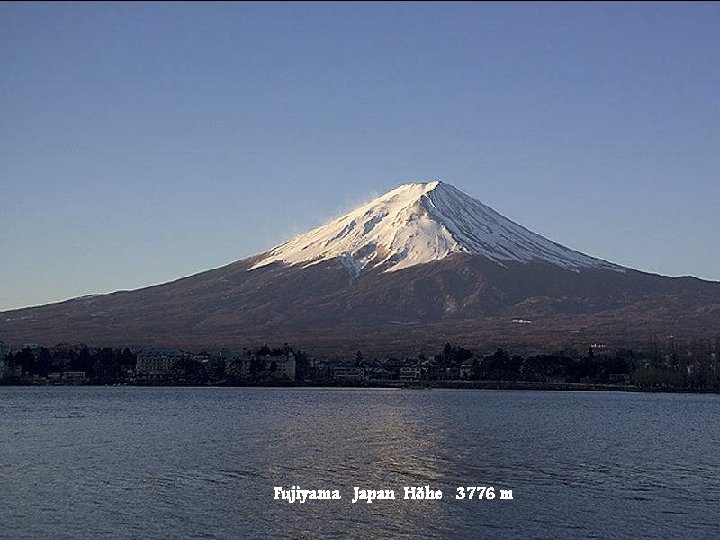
[
  {"x": 348, "y": 373},
  {"x": 73, "y": 376},
  {"x": 410, "y": 373},
  {"x": 379, "y": 374}
]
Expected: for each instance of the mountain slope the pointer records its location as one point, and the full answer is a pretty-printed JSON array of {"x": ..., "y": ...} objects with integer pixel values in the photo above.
[{"x": 418, "y": 266}]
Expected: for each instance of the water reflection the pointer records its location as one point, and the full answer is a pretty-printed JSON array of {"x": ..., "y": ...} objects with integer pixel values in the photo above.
[{"x": 370, "y": 439}]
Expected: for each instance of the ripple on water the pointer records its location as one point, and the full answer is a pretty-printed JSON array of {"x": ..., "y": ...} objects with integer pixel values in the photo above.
[{"x": 145, "y": 462}]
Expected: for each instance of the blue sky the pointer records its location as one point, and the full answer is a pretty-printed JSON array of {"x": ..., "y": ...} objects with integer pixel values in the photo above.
[{"x": 143, "y": 142}]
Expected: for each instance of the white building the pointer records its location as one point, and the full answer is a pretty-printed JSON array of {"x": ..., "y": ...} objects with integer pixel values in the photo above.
[
  {"x": 348, "y": 373},
  {"x": 155, "y": 365}
]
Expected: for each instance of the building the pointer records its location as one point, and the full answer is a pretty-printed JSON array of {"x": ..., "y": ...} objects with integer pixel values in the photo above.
[
  {"x": 73, "y": 376},
  {"x": 285, "y": 366},
  {"x": 379, "y": 374},
  {"x": 348, "y": 373},
  {"x": 156, "y": 365},
  {"x": 251, "y": 366},
  {"x": 410, "y": 373}
]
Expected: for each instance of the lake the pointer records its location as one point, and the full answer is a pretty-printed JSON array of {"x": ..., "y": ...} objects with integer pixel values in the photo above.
[{"x": 132, "y": 462}]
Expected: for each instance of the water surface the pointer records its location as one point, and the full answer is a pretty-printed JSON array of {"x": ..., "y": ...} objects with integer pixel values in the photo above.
[{"x": 128, "y": 462}]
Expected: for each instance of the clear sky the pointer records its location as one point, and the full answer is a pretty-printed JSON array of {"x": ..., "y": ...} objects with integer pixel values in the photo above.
[{"x": 143, "y": 142}]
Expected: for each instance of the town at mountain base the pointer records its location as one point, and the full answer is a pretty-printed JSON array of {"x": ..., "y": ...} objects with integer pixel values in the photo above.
[{"x": 409, "y": 271}]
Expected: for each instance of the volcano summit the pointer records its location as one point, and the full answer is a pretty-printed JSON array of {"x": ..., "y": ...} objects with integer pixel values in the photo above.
[
  {"x": 420, "y": 223},
  {"x": 420, "y": 265}
]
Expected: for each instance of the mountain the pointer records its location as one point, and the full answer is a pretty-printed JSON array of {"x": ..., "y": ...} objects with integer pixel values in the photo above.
[
  {"x": 419, "y": 223},
  {"x": 420, "y": 265}
]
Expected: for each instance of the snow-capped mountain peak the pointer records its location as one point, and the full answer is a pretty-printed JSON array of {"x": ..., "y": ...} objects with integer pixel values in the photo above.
[{"x": 422, "y": 222}]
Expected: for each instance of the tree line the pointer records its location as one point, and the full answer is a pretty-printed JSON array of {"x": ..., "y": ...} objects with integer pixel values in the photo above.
[
  {"x": 690, "y": 365},
  {"x": 104, "y": 364}
]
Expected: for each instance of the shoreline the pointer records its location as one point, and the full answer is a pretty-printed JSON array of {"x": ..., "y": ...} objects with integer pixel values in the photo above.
[{"x": 400, "y": 385}]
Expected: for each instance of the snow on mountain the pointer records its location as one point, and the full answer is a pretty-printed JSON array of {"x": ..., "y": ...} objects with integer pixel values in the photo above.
[{"x": 422, "y": 222}]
